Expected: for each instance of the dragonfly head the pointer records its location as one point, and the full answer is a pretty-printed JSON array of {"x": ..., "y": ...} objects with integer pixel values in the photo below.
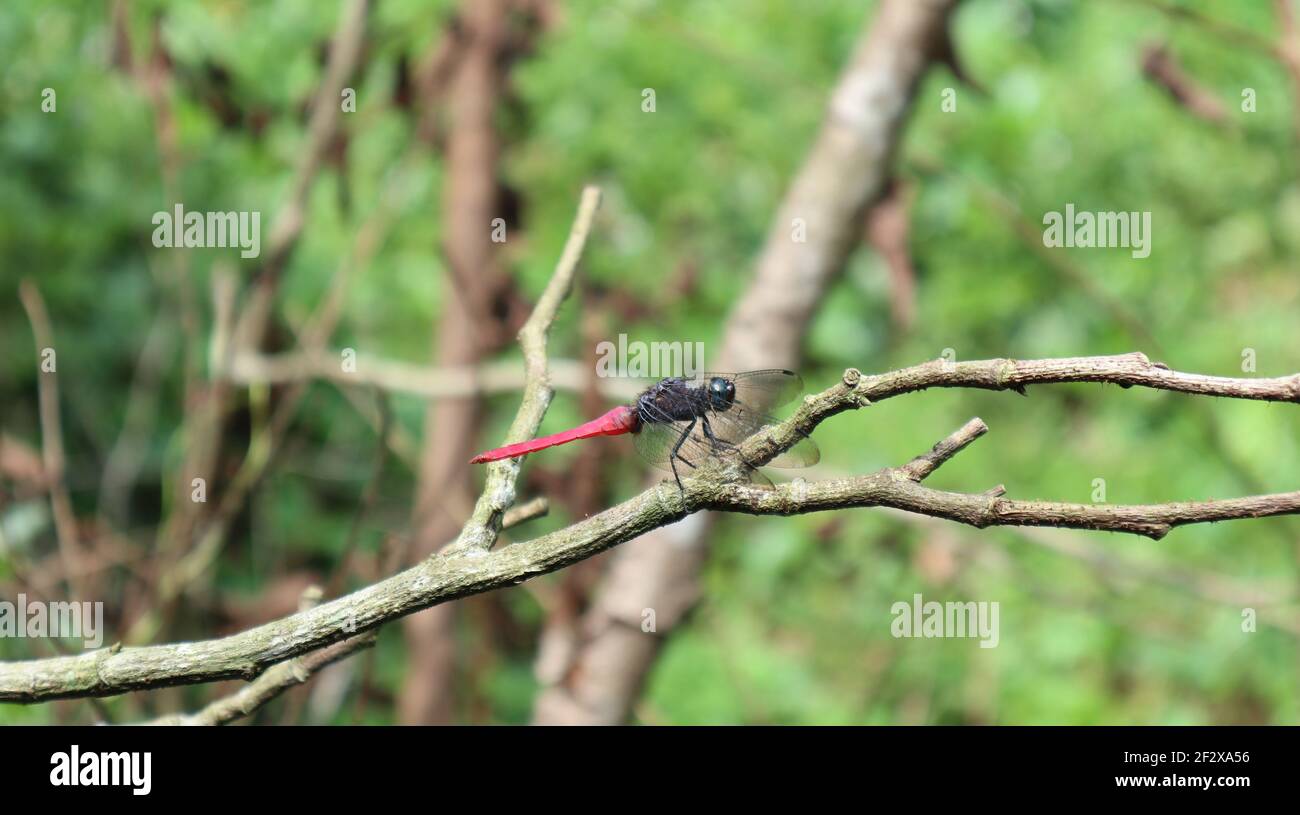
[{"x": 722, "y": 393}]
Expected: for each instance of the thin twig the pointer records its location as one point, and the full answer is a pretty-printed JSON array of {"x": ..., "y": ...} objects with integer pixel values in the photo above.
[
  {"x": 919, "y": 468},
  {"x": 368, "y": 497},
  {"x": 127, "y": 456},
  {"x": 1228, "y": 32},
  {"x": 427, "y": 382},
  {"x": 481, "y": 531},
  {"x": 527, "y": 511},
  {"x": 65, "y": 522}
]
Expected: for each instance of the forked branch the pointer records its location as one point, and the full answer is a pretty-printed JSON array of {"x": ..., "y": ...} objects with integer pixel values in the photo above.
[{"x": 470, "y": 566}]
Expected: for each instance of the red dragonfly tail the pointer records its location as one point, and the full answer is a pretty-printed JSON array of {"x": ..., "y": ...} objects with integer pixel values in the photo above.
[{"x": 618, "y": 421}]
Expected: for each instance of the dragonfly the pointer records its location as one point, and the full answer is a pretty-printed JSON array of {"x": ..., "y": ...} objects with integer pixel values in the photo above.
[{"x": 687, "y": 421}]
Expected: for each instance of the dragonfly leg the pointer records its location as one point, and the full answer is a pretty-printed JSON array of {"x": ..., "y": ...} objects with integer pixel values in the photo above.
[
  {"x": 672, "y": 459},
  {"x": 708, "y": 433}
]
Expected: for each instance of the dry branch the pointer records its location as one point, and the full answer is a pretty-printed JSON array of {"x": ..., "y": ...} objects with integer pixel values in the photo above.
[
  {"x": 273, "y": 683},
  {"x": 471, "y": 568},
  {"x": 429, "y": 382},
  {"x": 499, "y": 493},
  {"x": 269, "y": 685},
  {"x": 65, "y": 522}
]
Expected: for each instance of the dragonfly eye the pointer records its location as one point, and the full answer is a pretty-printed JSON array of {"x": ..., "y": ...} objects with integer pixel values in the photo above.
[{"x": 722, "y": 392}]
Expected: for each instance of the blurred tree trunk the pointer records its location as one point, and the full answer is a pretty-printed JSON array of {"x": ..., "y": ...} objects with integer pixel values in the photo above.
[
  {"x": 845, "y": 172},
  {"x": 472, "y": 325}
]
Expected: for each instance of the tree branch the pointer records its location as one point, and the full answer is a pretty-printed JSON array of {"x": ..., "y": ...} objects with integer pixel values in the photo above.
[
  {"x": 894, "y": 487},
  {"x": 419, "y": 380},
  {"x": 1125, "y": 370},
  {"x": 65, "y": 521},
  {"x": 278, "y": 679},
  {"x": 462, "y": 571},
  {"x": 919, "y": 468},
  {"x": 498, "y": 494},
  {"x": 286, "y": 675}
]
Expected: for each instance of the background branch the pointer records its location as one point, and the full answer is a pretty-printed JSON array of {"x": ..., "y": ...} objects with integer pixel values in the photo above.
[
  {"x": 65, "y": 522},
  {"x": 428, "y": 382}
]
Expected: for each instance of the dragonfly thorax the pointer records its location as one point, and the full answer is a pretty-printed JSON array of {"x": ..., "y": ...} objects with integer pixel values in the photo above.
[{"x": 676, "y": 400}]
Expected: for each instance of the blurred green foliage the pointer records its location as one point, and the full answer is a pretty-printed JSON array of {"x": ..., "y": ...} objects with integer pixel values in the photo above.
[{"x": 794, "y": 626}]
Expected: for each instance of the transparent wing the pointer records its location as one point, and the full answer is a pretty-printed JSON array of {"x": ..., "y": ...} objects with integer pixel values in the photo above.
[
  {"x": 716, "y": 434},
  {"x": 655, "y": 444},
  {"x": 741, "y": 420}
]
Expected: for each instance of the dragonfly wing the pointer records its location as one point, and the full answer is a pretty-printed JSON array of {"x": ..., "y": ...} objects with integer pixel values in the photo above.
[
  {"x": 739, "y": 422},
  {"x": 655, "y": 443}
]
